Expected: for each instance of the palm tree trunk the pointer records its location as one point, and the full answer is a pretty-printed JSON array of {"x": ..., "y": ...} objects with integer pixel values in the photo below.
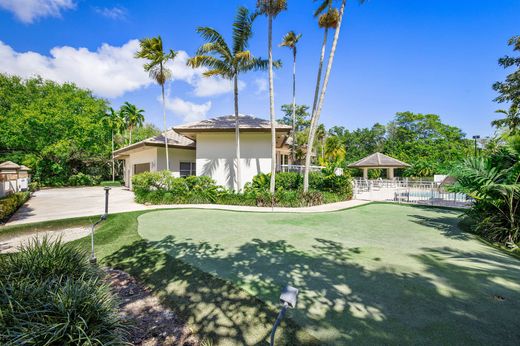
[
  {"x": 271, "y": 106},
  {"x": 130, "y": 138},
  {"x": 113, "y": 161},
  {"x": 165, "y": 129},
  {"x": 316, "y": 115},
  {"x": 237, "y": 136},
  {"x": 293, "y": 149},
  {"x": 320, "y": 68}
]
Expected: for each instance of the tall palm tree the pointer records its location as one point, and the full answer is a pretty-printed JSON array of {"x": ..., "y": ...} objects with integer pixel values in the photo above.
[
  {"x": 290, "y": 40},
  {"x": 271, "y": 8},
  {"x": 316, "y": 113},
  {"x": 134, "y": 117},
  {"x": 511, "y": 119},
  {"x": 228, "y": 63},
  {"x": 115, "y": 122},
  {"x": 151, "y": 49}
]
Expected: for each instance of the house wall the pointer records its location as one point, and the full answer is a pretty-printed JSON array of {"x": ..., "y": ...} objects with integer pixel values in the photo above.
[
  {"x": 143, "y": 156},
  {"x": 176, "y": 156},
  {"x": 216, "y": 156}
]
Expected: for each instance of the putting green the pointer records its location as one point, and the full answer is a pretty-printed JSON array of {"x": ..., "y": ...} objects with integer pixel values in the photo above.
[{"x": 377, "y": 274}]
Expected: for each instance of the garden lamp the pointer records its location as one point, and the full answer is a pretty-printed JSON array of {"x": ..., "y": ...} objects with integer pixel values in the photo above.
[
  {"x": 288, "y": 299},
  {"x": 476, "y": 137},
  {"x": 103, "y": 217}
]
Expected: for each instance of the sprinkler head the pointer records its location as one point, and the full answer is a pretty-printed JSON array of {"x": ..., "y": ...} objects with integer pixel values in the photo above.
[{"x": 289, "y": 296}]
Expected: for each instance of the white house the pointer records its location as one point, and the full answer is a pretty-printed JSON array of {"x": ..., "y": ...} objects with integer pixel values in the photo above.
[{"x": 207, "y": 147}]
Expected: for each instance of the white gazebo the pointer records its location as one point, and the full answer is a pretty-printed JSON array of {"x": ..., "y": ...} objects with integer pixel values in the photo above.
[{"x": 378, "y": 161}]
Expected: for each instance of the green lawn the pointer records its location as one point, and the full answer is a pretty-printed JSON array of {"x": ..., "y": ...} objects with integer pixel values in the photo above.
[{"x": 378, "y": 274}]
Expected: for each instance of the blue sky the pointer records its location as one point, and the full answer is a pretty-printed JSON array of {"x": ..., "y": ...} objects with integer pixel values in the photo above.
[{"x": 428, "y": 56}]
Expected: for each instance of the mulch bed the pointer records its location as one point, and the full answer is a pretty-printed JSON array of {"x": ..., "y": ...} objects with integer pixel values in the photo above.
[{"x": 151, "y": 323}]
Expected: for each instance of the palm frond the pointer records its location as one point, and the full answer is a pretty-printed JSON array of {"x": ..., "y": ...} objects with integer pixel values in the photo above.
[
  {"x": 214, "y": 48},
  {"x": 271, "y": 7},
  {"x": 254, "y": 64},
  {"x": 212, "y": 36},
  {"x": 242, "y": 29}
]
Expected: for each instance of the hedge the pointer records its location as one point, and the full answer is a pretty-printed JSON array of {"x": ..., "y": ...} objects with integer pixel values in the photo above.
[
  {"x": 10, "y": 204},
  {"x": 163, "y": 188}
]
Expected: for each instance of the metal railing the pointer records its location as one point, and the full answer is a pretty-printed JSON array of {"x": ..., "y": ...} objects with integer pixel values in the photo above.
[{"x": 297, "y": 168}]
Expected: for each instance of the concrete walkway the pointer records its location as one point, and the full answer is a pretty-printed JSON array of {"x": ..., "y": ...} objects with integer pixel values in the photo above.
[
  {"x": 11, "y": 244},
  {"x": 63, "y": 203}
]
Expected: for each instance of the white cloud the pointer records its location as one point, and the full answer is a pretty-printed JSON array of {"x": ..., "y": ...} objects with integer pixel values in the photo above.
[
  {"x": 109, "y": 71},
  {"x": 29, "y": 10},
  {"x": 261, "y": 85},
  {"x": 188, "y": 111},
  {"x": 115, "y": 13}
]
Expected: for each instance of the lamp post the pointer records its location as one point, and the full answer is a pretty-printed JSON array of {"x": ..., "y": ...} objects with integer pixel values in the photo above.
[
  {"x": 103, "y": 217},
  {"x": 288, "y": 299},
  {"x": 475, "y": 138}
]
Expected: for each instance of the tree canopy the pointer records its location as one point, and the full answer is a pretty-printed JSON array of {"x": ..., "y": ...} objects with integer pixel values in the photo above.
[{"x": 55, "y": 129}]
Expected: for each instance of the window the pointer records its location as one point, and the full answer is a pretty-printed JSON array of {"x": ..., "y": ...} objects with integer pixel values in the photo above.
[
  {"x": 142, "y": 167},
  {"x": 187, "y": 169}
]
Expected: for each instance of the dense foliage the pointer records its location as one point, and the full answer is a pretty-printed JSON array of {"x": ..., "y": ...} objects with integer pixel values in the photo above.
[
  {"x": 494, "y": 182},
  {"x": 509, "y": 90},
  {"x": 54, "y": 129},
  {"x": 422, "y": 140},
  {"x": 51, "y": 295},
  {"x": 11, "y": 203},
  {"x": 163, "y": 188}
]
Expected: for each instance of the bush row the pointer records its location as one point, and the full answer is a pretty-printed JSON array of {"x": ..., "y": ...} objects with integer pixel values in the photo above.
[
  {"x": 11, "y": 203},
  {"x": 162, "y": 188},
  {"x": 82, "y": 179},
  {"x": 51, "y": 295}
]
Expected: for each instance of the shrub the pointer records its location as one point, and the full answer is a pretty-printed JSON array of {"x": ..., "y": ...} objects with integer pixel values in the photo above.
[
  {"x": 34, "y": 186},
  {"x": 50, "y": 295},
  {"x": 110, "y": 183},
  {"x": 82, "y": 179},
  {"x": 10, "y": 204}
]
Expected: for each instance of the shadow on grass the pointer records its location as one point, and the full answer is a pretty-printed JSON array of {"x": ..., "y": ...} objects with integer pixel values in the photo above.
[{"x": 456, "y": 298}]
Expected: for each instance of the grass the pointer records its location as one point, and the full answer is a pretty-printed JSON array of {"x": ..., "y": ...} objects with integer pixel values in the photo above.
[{"x": 377, "y": 274}]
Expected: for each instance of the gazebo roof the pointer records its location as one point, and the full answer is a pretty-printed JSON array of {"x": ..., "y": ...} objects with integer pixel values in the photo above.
[
  {"x": 378, "y": 160},
  {"x": 9, "y": 165}
]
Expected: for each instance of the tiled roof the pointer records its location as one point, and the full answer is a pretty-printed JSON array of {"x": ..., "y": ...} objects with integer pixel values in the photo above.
[
  {"x": 378, "y": 160},
  {"x": 174, "y": 140},
  {"x": 227, "y": 122}
]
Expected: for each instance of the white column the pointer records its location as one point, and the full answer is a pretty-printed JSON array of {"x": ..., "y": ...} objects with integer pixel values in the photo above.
[
  {"x": 390, "y": 173},
  {"x": 365, "y": 173}
]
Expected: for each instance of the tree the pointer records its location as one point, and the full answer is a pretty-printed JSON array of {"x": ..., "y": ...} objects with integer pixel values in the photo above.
[
  {"x": 290, "y": 40},
  {"x": 302, "y": 123},
  {"x": 509, "y": 90},
  {"x": 54, "y": 129},
  {"x": 133, "y": 116},
  {"x": 271, "y": 8},
  {"x": 334, "y": 152},
  {"x": 317, "y": 110},
  {"x": 151, "y": 49},
  {"x": 511, "y": 121},
  {"x": 228, "y": 63},
  {"x": 116, "y": 123}
]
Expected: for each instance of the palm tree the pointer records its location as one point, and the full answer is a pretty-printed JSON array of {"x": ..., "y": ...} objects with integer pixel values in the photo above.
[
  {"x": 133, "y": 117},
  {"x": 290, "y": 40},
  {"x": 334, "y": 150},
  {"x": 116, "y": 124},
  {"x": 271, "y": 8},
  {"x": 316, "y": 112},
  {"x": 228, "y": 63},
  {"x": 151, "y": 49},
  {"x": 511, "y": 119}
]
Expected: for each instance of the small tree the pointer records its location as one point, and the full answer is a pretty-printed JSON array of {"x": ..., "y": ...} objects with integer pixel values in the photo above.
[{"x": 133, "y": 116}]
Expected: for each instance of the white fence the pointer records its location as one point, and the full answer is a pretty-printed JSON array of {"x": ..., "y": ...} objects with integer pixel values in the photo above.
[
  {"x": 297, "y": 168},
  {"x": 403, "y": 190}
]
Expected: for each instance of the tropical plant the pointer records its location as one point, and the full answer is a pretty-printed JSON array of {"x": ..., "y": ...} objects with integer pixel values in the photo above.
[
  {"x": 271, "y": 8},
  {"x": 494, "y": 183},
  {"x": 317, "y": 108},
  {"x": 511, "y": 121},
  {"x": 334, "y": 151},
  {"x": 151, "y": 49},
  {"x": 229, "y": 63},
  {"x": 133, "y": 116},
  {"x": 290, "y": 40},
  {"x": 116, "y": 123}
]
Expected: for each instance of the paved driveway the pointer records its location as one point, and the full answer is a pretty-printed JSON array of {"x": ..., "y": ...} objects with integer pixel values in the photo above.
[{"x": 62, "y": 203}]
